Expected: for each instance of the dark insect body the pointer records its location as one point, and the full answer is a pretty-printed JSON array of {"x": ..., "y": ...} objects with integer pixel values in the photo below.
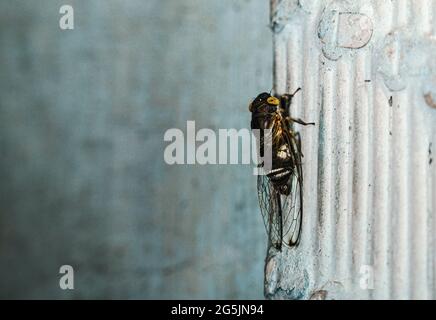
[{"x": 280, "y": 190}]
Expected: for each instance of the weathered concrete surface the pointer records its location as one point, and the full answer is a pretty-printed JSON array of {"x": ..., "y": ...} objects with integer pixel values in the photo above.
[
  {"x": 368, "y": 77},
  {"x": 82, "y": 177}
]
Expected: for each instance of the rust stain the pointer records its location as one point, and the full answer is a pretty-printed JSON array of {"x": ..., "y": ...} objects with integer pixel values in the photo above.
[{"x": 429, "y": 100}]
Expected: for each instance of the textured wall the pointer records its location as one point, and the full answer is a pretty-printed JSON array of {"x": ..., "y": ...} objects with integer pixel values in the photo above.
[
  {"x": 82, "y": 177},
  {"x": 368, "y": 74}
]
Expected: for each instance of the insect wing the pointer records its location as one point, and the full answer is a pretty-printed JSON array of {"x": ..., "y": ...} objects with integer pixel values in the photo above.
[
  {"x": 283, "y": 214},
  {"x": 292, "y": 213},
  {"x": 292, "y": 204},
  {"x": 270, "y": 211}
]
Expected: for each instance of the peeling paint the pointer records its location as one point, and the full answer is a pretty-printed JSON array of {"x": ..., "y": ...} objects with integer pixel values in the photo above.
[
  {"x": 403, "y": 57},
  {"x": 297, "y": 292},
  {"x": 271, "y": 274},
  {"x": 343, "y": 27},
  {"x": 283, "y": 12},
  {"x": 354, "y": 30}
]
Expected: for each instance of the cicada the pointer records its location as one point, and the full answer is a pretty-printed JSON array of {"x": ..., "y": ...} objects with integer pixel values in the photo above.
[{"x": 280, "y": 189}]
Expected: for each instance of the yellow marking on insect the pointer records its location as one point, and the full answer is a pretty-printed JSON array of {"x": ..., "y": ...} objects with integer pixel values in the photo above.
[{"x": 273, "y": 100}]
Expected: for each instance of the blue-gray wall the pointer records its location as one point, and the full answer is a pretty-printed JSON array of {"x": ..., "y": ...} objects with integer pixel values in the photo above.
[{"x": 82, "y": 176}]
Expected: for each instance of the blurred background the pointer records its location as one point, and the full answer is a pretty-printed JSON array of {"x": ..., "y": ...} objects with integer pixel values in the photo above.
[{"x": 82, "y": 177}]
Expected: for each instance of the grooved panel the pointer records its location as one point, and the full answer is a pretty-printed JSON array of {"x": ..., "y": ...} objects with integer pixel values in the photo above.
[{"x": 367, "y": 70}]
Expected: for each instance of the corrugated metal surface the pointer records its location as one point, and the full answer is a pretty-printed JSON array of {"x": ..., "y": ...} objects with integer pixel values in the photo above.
[{"x": 368, "y": 74}]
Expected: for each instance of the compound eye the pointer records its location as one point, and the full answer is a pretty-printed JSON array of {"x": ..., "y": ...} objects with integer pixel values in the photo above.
[
  {"x": 261, "y": 97},
  {"x": 273, "y": 101}
]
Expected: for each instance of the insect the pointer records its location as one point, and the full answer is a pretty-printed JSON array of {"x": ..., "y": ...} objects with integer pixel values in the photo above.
[{"x": 280, "y": 190}]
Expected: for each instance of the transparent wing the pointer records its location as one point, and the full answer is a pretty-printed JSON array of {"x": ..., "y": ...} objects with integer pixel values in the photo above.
[
  {"x": 270, "y": 211},
  {"x": 292, "y": 204},
  {"x": 283, "y": 214},
  {"x": 292, "y": 213}
]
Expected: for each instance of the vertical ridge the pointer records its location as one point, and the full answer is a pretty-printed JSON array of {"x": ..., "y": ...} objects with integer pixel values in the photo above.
[
  {"x": 401, "y": 190},
  {"x": 310, "y": 77},
  {"x": 433, "y": 225},
  {"x": 381, "y": 194},
  {"x": 360, "y": 179},
  {"x": 419, "y": 201},
  {"x": 310, "y": 113},
  {"x": 279, "y": 63},
  {"x": 325, "y": 174},
  {"x": 341, "y": 167}
]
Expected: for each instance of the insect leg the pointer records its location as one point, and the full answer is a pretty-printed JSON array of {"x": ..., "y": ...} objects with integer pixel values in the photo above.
[
  {"x": 298, "y": 139},
  {"x": 298, "y": 120},
  {"x": 298, "y": 89},
  {"x": 286, "y": 100}
]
